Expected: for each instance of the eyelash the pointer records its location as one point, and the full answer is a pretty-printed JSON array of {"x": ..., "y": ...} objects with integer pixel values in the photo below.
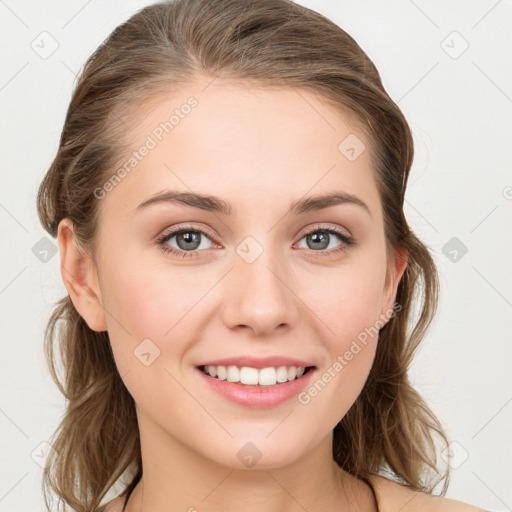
[{"x": 347, "y": 241}]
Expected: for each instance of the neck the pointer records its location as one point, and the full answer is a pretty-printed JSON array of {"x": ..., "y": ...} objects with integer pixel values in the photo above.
[{"x": 175, "y": 475}]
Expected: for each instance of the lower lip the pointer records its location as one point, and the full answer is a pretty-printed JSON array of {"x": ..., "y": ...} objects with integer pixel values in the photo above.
[{"x": 258, "y": 397}]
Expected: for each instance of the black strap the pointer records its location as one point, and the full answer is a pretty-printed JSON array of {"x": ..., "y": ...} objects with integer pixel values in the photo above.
[{"x": 127, "y": 497}]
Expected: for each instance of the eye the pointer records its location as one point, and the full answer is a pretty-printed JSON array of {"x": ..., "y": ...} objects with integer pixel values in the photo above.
[
  {"x": 320, "y": 238},
  {"x": 188, "y": 240}
]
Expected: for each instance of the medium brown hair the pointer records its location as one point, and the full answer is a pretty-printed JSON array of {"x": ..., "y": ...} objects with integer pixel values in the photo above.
[{"x": 389, "y": 428}]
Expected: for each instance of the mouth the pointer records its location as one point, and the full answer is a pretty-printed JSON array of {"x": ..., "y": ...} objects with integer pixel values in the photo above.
[
  {"x": 256, "y": 388},
  {"x": 247, "y": 376}
]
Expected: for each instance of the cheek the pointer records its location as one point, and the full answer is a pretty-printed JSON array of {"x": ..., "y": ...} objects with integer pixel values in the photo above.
[
  {"x": 348, "y": 300},
  {"x": 147, "y": 330},
  {"x": 348, "y": 306},
  {"x": 151, "y": 302},
  {"x": 138, "y": 305}
]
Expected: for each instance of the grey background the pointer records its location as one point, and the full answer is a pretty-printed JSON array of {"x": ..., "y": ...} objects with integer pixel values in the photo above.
[{"x": 458, "y": 102}]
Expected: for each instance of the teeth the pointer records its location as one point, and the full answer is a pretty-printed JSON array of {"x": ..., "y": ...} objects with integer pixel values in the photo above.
[
  {"x": 248, "y": 375},
  {"x": 233, "y": 374},
  {"x": 252, "y": 376},
  {"x": 221, "y": 372}
]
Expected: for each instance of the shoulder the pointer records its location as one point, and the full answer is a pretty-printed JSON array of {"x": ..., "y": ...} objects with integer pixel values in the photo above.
[
  {"x": 393, "y": 496},
  {"x": 115, "y": 505}
]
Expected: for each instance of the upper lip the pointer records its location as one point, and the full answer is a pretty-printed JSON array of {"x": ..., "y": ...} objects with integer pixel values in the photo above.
[{"x": 258, "y": 362}]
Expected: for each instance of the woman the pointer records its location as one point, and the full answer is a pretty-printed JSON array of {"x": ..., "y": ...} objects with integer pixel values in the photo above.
[{"x": 228, "y": 200}]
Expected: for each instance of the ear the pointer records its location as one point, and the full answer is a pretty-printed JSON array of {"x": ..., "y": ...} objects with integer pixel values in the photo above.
[
  {"x": 396, "y": 268},
  {"x": 80, "y": 278}
]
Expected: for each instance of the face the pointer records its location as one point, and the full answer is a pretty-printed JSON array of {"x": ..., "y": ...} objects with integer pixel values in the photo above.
[{"x": 255, "y": 279}]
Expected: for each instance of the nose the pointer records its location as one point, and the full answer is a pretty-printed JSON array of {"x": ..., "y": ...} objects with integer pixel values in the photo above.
[{"x": 259, "y": 296}]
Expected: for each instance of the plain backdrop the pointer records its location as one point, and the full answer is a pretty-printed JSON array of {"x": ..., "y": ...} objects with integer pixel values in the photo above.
[{"x": 446, "y": 64}]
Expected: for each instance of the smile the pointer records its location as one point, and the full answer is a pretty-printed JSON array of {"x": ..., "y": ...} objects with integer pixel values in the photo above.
[
  {"x": 274, "y": 389},
  {"x": 253, "y": 376}
]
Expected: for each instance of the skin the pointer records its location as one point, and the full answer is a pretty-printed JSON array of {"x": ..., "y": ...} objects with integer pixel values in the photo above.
[{"x": 260, "y": 150}]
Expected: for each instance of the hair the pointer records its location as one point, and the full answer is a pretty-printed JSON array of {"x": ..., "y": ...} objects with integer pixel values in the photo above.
[{"x": 389, "y": 428}]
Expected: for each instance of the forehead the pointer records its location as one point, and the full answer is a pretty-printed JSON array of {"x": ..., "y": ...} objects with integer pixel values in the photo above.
[
  {"x": 241, "y": 139},
  {"x": 228, "y": 105}
]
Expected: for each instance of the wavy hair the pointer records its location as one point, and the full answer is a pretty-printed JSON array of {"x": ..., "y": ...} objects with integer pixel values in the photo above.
[{"x": 389, "y": 428}]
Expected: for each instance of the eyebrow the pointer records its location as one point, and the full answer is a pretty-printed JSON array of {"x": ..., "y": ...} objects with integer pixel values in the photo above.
[{"x": 216, "y": 204}]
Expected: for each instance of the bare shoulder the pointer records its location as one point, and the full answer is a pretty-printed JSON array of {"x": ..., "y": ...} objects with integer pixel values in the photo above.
[
  {"x": 441, "y": 504},
  {"x": 393, "y": 496},
  {"x": 115, "y": 505}
]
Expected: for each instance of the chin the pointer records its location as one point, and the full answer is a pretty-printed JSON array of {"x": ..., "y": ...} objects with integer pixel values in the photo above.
[{"x": 258, "y": 451}]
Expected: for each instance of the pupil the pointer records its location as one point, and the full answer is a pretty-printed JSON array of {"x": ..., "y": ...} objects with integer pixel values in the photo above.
[
  {"x": 188, "y": 238},
  {"x": 321, "y": 238}
]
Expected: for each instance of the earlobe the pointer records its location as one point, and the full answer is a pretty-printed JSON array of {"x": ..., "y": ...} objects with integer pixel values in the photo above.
[{"x": 80, "y": 278}]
